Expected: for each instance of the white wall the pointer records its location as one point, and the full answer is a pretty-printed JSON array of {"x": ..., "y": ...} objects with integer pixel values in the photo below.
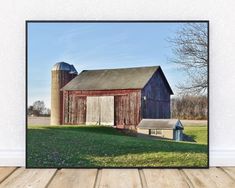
[{"x": 13, "y": 14}]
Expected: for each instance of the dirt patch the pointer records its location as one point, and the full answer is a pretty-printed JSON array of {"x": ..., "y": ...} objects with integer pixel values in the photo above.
[{"x": 39, "y": 120}]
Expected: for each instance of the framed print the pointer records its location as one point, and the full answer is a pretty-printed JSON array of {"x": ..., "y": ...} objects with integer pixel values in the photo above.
[{"x": 117, "y": 94}]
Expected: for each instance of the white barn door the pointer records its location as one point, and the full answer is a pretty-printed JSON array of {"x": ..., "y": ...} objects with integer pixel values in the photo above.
[
  {"x": 100, "y": 110},
  {"x": 92, "y": 111},
  {"x": 107, "y": 110}
]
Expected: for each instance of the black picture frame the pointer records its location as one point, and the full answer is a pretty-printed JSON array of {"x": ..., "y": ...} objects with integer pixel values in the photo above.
[{"x": 113, "y": 21}]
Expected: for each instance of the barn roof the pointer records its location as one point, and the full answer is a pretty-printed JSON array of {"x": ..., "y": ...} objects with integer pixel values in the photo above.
[
  {"x": 108, "y": 79},
  {"x": 160, "y": 124}
]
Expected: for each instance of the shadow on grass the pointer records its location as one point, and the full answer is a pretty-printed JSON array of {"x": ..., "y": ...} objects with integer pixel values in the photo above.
[
  {"x": 191, "y": 138},
  {"x": 56, "y": 145},
  {"x": 152, "y": 137},
  {"x": 87, "y": 129}
]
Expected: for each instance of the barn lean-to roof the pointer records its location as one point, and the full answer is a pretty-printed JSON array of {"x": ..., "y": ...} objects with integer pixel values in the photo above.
[
  {"x": 163, "y": 124},
  {"x": 109, "y": 79}
]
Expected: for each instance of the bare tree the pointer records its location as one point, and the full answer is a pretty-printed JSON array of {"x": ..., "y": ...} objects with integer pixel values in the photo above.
[
  {"x": 190, "y": 47},
  {"x": 38, "y": 109}
]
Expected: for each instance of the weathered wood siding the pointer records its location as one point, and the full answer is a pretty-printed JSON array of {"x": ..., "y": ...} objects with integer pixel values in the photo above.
[
  {"x": 155, "y": 98},
  {"x": 127, "y": 106},
  {"x": 127, "y": 109},
  {"x": 74, "y": 109},
  {"x": 80, "y": 110}
]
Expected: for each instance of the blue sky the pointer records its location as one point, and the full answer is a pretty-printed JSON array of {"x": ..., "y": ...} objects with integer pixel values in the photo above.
[{"x": 97, "y": 46}]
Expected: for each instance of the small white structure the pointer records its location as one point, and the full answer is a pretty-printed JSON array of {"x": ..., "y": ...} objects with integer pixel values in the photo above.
[{"x": 166, "y": 128}]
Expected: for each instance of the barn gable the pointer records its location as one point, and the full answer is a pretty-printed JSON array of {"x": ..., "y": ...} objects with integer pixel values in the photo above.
[{"x": 155, "y": 99}]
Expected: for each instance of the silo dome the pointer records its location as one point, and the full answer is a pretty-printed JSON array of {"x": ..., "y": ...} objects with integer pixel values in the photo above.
[{"x": 61, "y": 66}]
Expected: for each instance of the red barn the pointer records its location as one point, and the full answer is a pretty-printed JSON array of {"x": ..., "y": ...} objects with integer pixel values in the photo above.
[{"x": 119, "y": 97}]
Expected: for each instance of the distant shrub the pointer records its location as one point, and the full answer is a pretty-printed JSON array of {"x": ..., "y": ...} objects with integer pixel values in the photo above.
[{"x": 189, "y": 107}]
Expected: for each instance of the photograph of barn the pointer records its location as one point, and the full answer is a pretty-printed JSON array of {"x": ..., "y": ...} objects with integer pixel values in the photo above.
[
  {"x": 115, "y": 97},
  {"x": 117, "y": 94}
]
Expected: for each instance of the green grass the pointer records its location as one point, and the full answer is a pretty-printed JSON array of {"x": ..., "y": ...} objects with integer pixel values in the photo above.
[
  {"x": 98, "y": 146},
  {"x": 198, "y": 134}
]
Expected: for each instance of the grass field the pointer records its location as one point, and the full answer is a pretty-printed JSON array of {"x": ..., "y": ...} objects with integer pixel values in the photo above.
[
  {"x": 199, "y": 133},
  {"x": 98, "y": 146}
]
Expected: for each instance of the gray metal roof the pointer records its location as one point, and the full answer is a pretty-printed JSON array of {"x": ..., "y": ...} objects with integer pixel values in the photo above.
[
  {"x": 61, "y": 66},
  {"x": 107, "y": 79},
  {"x": 160, "y": 124}
]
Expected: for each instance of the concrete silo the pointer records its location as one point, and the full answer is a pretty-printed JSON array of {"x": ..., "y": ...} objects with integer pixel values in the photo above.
[{"x": 61, "y": 74}]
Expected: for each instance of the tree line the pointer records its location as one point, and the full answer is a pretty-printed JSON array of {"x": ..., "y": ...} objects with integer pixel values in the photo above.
[{"x": 189, "y": 107}]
